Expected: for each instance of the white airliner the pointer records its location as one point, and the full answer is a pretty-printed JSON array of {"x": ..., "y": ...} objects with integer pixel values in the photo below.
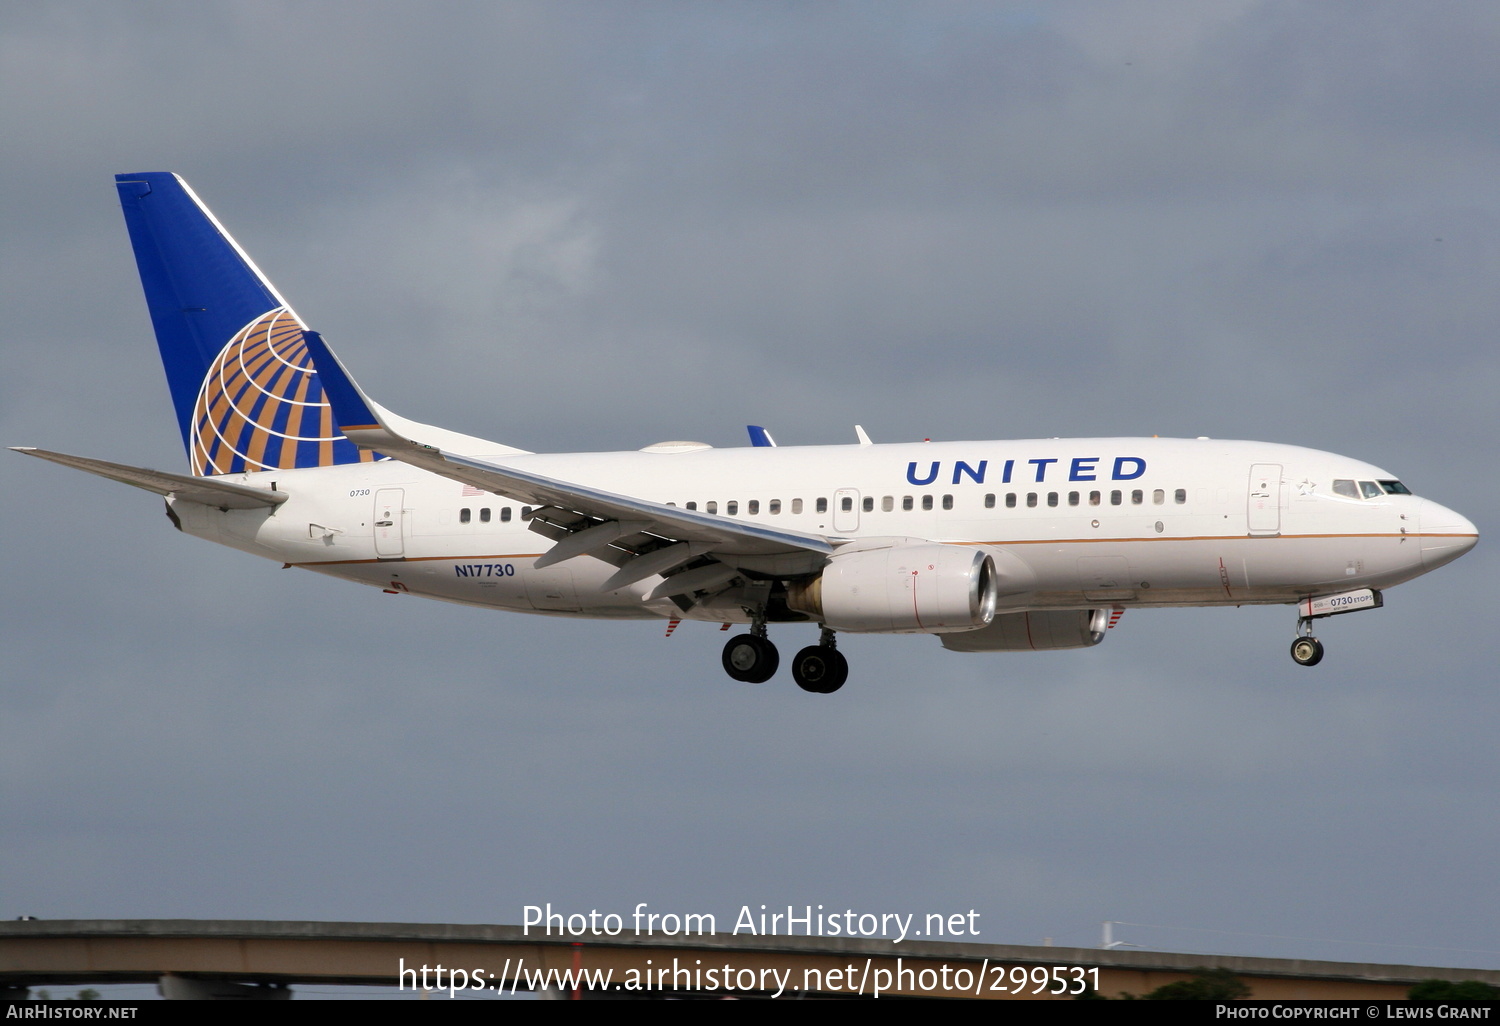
[{"x": 992, "y": 546}]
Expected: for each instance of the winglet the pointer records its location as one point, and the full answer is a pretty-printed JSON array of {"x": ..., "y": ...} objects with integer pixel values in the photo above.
[
  {"x": 759, "y": 436},
  {"x": 864, "y": 439},
  {"x": 371, "y": 426},
  {"x": 350, "y": 407},
  {"x": 363, "y": 421}
]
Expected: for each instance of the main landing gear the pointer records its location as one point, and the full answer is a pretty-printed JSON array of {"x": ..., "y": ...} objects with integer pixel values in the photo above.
[
  {"x": 751, "y": 657},
  {"x": 820, "y": 669},
  {"x": 1306, "y": 650}
]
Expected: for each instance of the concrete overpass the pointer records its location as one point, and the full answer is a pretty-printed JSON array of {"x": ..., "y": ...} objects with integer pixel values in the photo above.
[{"x": 203, "y": 958}]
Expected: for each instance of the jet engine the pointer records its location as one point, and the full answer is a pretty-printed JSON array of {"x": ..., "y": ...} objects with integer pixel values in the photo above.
[
  {"x": 903, "y": 589},
  {"x": 1035, "y": 632}
]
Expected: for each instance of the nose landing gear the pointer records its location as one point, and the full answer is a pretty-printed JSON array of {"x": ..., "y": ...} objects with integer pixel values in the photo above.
[{"x": 1306, "y": 650}]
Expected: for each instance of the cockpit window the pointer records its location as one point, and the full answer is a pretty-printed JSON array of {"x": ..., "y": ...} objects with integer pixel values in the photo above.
[
  {"x": 1371, "y": 489},
  {"x": 1395, "y": 488},
  {"x": 1346, "y": 488}
]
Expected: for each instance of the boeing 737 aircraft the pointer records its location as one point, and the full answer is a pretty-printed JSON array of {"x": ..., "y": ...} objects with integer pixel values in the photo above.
[{"x": 992, "y": 546}]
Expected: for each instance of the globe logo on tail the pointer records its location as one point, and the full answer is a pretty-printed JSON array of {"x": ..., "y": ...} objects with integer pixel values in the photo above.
[{"x": 261, "y": 406}]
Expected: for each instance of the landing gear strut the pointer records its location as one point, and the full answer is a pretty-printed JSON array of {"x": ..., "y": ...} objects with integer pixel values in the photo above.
[
  {"x": 1306, "y": 650},
  {"x": 821, "y": 668},
  {"x": 751, "y": 657}
]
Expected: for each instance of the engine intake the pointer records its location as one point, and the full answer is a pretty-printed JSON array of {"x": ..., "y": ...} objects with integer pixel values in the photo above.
[{"x": 903, "y": 589}]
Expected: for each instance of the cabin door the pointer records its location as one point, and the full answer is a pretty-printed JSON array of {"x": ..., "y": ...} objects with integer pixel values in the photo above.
[
  {"x": 390, "y": 523},
  {"x": 1265, "y": 499}
]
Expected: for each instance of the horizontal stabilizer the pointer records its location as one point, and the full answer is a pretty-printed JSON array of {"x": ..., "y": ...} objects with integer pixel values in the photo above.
[{"x": 207, "y": 490}]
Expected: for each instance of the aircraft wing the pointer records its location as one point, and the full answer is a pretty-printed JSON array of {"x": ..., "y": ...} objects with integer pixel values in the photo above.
[
  {"x": 639, "y": 536},
  {"x": 210, "y": 491},
  {"x": 683, "y": 524}
]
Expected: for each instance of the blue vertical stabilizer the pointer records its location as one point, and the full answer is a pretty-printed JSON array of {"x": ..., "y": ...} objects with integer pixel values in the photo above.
[{"x": 243, "y": 385}]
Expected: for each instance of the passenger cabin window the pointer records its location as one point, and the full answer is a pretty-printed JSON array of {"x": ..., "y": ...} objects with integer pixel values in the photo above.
[
  {"x": 1116, "y": 497},
  {"x": 464, "y": 515},
  {"x": 731, "y": 507},
  {"x": 1052, "y": 498},
  {"x": 868, "y": 504},
  {"x": 710, "y": 507},
  {"x": 689, "y": 505},
  {"x": 906, "y": 502},
  {"x": 1345, "y": 488},
  {"x": 926, "y": 502},
  {"x": 1158, "y": 497},
  {"x": 1180, "y": 496},
  {"x": 1094, "y": 498},
  {"x": 484, "y": 515},
  {"x": 796, "y": 505},
  {"x": 525, "y": 512},
  {"x": 1072, "y": 498},
  {"x": 947, "y": 502},
  {"x": 989, "y": 501},
  {"x": 1137, "y": 497},
  {"x": 1031, "y": 498},
  {"x": 1010, "y": 500},
  {"x": 505, "y": 515},
  {"x": 752, "y": 506},
  {"x": 774, "y": 507},
  {"x": 1371, "y": 489},
  {"x": 847, "y": 504},
  {"x": 822, "y": 506},
  {"x": 1395, "y": 488},
  {"x": 887, "y": 503}
]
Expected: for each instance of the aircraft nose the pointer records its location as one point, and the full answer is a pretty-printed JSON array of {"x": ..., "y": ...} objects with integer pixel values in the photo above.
[{"x": 1446, "y": 535}]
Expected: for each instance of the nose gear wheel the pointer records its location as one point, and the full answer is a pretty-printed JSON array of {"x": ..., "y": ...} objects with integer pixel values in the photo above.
[{"x": 1307, "y": 651}]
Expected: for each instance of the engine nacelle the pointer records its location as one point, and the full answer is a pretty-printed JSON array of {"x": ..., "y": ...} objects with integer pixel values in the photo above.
[
  {"x": 902, "y": 589},
  {"x": 1035, "y": 632}
]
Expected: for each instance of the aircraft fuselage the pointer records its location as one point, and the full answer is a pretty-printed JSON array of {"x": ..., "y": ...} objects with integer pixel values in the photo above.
[{"x": 1073, "y": 522}]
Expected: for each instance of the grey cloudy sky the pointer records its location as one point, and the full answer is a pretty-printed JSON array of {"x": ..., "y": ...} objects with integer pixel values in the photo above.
[{"x": 594, "y": 226}]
